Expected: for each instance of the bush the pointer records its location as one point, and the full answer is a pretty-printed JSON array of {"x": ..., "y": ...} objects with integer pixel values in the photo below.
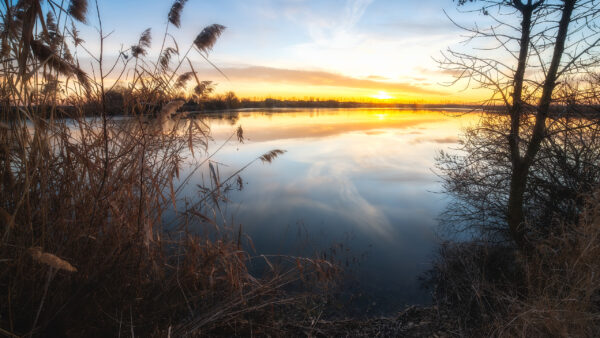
[{"x": 553, "y": 290}]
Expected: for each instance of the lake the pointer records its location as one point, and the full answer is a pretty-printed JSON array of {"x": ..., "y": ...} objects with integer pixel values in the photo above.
[{"x": 362, "y": 180}]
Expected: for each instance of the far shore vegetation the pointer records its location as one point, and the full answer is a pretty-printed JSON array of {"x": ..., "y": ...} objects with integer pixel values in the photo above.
[{"x": 116, "y": 105}]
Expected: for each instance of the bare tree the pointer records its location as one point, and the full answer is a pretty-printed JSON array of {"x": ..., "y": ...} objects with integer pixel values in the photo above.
[{"x": 528, "y": 49}]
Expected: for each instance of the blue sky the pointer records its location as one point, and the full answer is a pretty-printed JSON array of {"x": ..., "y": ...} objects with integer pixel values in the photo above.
[{"x": 282, "y": 48}]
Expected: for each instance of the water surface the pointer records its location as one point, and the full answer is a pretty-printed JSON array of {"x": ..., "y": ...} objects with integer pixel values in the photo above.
[{"x": 361, "y": 177}]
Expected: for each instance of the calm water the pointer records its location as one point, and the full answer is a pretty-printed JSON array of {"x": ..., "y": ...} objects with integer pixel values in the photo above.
[{"x": 361, "y": 177}]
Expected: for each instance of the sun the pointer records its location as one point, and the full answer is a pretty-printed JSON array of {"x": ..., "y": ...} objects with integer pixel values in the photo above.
[{"x": 382, "y": 96}]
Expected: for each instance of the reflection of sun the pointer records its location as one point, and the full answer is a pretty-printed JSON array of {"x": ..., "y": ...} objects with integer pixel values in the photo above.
[{"x": 382, "y": 96}]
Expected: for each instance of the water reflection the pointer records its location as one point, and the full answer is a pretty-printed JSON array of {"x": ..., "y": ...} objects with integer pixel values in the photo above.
[{"x": 360, "y": 176}]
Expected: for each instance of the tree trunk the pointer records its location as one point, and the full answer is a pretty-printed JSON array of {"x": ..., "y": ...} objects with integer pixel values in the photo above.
[
  {"x": 517, "y": 181},
  {"x": 522, "y": 166}
]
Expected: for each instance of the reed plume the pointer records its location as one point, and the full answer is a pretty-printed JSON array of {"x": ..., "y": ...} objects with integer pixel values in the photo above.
[
  {"x": 78, "y": 9},
  {"x": 171, "y": 107},
  {"x": 52, "y": 28},
  {"x": 271, "y": 155},
  {"x": 175, "y": 12},
  {"x": 143, "y": 43},
  {"x": 208, "y": 37},
  {"x": 165, "y": 57},
  {"x": 75, "y": 35},
  {"x": 183, "y": 79},
  {"x": 203, "y": 88},
  {"x": 46, "y": 54}
]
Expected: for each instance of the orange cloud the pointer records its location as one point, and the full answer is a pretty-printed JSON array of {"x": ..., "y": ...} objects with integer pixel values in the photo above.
[{"x": 318, "y": 78}]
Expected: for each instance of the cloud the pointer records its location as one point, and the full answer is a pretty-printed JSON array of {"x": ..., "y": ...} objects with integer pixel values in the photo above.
[
  {"x": 377, "y": 78},
  {"x": 354, "y": 11},
  {"x": 316, "y": 78},
  {"x": 438, "y": 71},
  {"x": 439, "y": 140}
]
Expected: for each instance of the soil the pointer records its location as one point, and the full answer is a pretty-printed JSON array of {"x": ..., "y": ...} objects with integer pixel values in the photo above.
[{"x": 412, "y": 322}]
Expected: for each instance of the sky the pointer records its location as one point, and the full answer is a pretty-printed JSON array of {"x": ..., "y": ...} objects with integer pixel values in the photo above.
[{"x": 339, "y": 49}]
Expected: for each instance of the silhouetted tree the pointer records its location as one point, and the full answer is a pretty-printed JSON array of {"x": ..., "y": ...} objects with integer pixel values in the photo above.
[
  {"x": 566, "y": 168},
  {"x": 529, "y": 48},
  {"x": 232, "y": 100}
]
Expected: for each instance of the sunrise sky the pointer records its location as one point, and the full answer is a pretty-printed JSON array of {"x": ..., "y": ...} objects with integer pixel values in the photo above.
[{"x": 343, "y": 49}]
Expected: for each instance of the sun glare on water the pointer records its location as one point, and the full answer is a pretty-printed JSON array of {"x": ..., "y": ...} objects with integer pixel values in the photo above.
[{"x": 382, "y": 96}]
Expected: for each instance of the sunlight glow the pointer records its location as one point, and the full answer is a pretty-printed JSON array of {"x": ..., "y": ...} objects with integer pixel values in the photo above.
[{"x": 382, "y": 96}]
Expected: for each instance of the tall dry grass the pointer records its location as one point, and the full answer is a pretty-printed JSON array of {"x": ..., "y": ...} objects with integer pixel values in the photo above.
[
  {"x": 85, "y": 201},
  {"x": 553, "y": 290},
  {"x": 563, "y": 283}
]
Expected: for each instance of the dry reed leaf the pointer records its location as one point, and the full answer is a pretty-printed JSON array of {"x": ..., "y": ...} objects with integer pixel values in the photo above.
[
  {"x": 50, "y": 259},
  {"x": 7, "y": 217},
  {"x": 214, "y": 175},
  {"x": 203, "y": 217},
  {"x": 268, "y": 263},
  {"x": 148, "y": 232}
]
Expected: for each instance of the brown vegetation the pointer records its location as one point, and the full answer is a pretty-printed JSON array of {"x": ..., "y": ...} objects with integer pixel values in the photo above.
[
  {"x": 95, "y": 236},
  {"x": 496, "y": 291},
  {"x": 525, "y": 185}
]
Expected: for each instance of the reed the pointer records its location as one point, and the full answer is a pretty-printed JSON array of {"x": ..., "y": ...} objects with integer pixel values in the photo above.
[{"x": 88, "y": 240}]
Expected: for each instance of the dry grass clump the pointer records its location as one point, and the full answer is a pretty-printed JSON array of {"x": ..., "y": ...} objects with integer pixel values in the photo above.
[
  {"x": 88, "y": 248},
  {"x": 95, "y": 237},
  {"x": 553, "y": 290},
  {"x": 467, "y": 279},
  {"x": 563, "y": 283}
]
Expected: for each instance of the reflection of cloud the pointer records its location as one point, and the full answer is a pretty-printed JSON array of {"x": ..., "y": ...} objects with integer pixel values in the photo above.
[
  {"x": 325, "y": 196},
  {"x": 440, "y": 140},
  {"x": 316, "y": 78},
  {"x": 403, "y": 176},
  {"x": 351, "y": 206},
  {"x": 302, "y": 129}
]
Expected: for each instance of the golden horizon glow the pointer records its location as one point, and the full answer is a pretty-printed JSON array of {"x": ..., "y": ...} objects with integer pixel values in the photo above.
[
  {"x": 382, "y": 96},
  {"x": 292, "y": 91}
]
